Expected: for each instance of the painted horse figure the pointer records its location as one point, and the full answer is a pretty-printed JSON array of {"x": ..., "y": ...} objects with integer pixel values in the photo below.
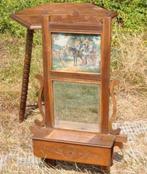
[
  {"x": 76, "y": 53},
  {"x": 79, "y": 52}
]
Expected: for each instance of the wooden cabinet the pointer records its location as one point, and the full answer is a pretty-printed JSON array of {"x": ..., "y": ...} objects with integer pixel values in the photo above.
[{"x": 75, "y": 84}]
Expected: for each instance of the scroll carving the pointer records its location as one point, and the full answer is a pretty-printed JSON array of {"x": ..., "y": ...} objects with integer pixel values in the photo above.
[
  {"x": 40, "y": 102},
  {"x": 113, "y": 84}
]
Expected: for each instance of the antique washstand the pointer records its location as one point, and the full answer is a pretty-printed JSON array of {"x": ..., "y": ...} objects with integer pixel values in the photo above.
[{"x": 75, "y": 85}]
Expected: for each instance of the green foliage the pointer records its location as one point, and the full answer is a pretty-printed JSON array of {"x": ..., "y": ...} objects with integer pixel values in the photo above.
[{"x": 132, "y": 14}]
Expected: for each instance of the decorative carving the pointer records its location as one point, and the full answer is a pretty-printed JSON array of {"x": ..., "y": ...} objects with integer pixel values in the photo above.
[
  {"x": 113, "y": 83},
  {"x": 40, "y": 97}
]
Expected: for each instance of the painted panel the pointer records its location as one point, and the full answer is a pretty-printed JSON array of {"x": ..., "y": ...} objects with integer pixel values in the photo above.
[{"x": 76, "y": 52}]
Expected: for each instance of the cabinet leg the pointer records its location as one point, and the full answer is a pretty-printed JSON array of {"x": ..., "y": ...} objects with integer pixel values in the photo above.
[
  {"x": 26, "y": 72},
  {"x": 105, "y": 169},
  {"x": 50, "y": 162}
]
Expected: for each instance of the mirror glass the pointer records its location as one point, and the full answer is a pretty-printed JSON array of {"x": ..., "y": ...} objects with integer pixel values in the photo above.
[{"x": 76, "y": 106}]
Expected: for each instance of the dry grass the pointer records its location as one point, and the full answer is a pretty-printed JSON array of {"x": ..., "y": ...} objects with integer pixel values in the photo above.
[
  {"x": 128, "y": 65},
  {"x": 129, "y": 61}
]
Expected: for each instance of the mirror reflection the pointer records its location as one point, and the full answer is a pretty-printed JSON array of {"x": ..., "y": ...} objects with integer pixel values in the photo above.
[{"x": 76, "y": 105}]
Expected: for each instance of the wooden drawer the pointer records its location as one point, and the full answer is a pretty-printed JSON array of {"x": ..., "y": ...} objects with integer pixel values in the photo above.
[{"x": 73, "y": 152}]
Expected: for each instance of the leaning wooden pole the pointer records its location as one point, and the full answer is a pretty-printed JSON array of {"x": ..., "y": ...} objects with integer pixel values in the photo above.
[{"x": 26, "y": 72}]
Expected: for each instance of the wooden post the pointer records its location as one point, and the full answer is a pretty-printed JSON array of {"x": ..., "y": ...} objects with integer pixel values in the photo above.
[
  {"x": 46, "y": 40},
  {"x": 106, "y": 45},
  {"x": 26, "y": 72}
]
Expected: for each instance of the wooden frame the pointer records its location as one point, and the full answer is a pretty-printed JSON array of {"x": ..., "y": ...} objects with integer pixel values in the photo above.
[
  {"x": 102, "y": 78},
  {"x": 31, "y": 18},
  {"x": 91, "y": 147}
]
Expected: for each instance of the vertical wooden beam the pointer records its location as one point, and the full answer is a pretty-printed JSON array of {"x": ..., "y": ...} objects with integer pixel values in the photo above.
[
  {"x": 106, "y": 45},
  {"x": 46, "y": 41},
  {"x": 26, "y": 72}
]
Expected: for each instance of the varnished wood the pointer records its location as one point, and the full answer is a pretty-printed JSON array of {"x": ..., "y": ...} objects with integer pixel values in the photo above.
[
  {"x": 120, "y": 140},
  {"x": 73, "y": 136},
  {"x": 75, "y": 146},
  {"x": 46, "y": 65},
  {"x": 58, "y": 141},
  {"x": 93, "y": 77},
  {"x": 26, "y": 71},
  {"x": 78, "y": 137},
  {"x": 73, "y": 152},
  {"x": 31, "y": 17},
  {"x": 75, "y": 28},
  {"x": 105, "y": 65},
  {"x": 65, "y": 17},
  {"x": 62, "y": 141}
]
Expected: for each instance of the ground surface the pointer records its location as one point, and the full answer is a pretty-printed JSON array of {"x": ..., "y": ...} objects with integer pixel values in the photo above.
[{"x": 15, "y": 139}]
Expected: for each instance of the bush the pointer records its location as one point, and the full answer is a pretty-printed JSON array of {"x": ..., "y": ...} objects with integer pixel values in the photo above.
[{"x": 131, "y": 14}]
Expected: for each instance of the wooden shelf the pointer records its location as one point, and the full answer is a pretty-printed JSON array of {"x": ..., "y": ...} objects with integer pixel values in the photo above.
[
  {"x": 73, "y": 137},
  {"x": 31, "y": 17},
  {"x": 74, "y": 146}
]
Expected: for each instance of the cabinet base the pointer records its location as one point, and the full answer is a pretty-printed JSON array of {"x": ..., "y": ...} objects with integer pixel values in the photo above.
[{"x": 74, "y": 146}]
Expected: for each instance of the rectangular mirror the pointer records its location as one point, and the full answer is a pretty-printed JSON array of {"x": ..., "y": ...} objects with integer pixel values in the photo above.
[
  {"x": 76, "y": 52},
  {"x": 76, "y": 106}
]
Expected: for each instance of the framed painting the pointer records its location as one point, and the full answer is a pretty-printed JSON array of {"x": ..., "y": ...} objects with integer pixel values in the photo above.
[{"x": 76, "y": 52}]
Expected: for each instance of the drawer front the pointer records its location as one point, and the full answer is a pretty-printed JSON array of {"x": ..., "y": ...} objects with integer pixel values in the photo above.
[{"x": 73, "y": 152}]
